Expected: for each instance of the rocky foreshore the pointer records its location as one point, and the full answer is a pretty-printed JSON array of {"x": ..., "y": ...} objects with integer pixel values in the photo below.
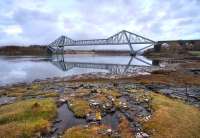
[{"x": 106, "y": 105}]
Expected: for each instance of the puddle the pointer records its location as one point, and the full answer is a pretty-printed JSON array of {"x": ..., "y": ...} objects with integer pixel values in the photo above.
[
  {"x": 6, "y": 100},
  {"x": 111, "y": 120},
  {"x": 68, "y": 120}
]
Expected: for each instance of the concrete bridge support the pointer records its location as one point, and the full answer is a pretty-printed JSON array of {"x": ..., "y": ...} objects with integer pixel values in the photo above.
[{"x": 157, "y": 47}]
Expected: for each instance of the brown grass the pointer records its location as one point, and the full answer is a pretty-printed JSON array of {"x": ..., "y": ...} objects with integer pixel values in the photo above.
[
  {"x": 173, "y": 119},
  {"x": 79, "y": 107},
  {"x": 26, "y": 118},
  {"x": 92, "y": 131}
]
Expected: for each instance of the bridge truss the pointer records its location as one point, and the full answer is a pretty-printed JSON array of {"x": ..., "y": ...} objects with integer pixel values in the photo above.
[{"x": 121, "y": 38}]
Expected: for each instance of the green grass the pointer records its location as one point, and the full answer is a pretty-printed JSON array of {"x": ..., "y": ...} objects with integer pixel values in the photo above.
[
  {"x": 195, "y": 53},
  {"x": 26, "y": 118},
  {"x": 173, "y": 118}
]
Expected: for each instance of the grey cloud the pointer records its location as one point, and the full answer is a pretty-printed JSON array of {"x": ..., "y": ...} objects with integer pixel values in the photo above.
[{"x": 100, "y": 18}]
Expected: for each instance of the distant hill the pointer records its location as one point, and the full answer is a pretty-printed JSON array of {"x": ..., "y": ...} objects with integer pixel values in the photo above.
[{"x": 23, "y": 50}]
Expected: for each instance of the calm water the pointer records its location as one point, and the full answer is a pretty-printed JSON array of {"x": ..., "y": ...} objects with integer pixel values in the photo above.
[{"x": 26, "y": 68}]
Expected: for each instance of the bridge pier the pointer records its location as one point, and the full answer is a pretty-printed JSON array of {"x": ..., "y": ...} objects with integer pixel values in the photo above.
[{"x": 157, "y": 47}]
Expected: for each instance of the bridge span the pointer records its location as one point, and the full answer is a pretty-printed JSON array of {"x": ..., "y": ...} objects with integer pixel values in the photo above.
[{"x": 121, "y": 38}]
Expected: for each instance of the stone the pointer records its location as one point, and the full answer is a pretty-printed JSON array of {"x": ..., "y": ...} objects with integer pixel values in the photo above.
[
  {"x": 142, "y": 135},
  {"x": 138, "y": 135},
  {"x": 94, "y": 103},
  {"x": 57, "y": 121},
  {"x": 53, "y": 130},
  {"x": 94, "y": 91},
  {"x": 146, "y": 118},
  {"x": 109, "y": 130},
  {"x": 90, "y": 117}
]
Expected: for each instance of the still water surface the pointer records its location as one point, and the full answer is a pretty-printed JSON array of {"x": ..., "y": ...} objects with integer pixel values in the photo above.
[{"x": 18, "y": 69}]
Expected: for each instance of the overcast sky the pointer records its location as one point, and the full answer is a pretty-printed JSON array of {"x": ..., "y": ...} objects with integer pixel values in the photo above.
[{"x": 42, "y": 21}]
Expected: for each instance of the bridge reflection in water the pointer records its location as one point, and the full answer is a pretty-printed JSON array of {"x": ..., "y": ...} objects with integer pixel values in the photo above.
[{"x": 113, "y": 68}]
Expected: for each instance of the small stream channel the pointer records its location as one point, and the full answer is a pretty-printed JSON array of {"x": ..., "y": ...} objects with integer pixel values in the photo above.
[{"x": 66, "y": 119}]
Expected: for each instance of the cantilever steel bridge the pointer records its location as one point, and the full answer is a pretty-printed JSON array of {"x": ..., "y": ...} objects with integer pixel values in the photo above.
[{"x": 121, "y": 38}]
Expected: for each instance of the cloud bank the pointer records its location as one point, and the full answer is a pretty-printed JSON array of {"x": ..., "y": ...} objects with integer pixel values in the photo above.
[{"x": 42, "y": 21}]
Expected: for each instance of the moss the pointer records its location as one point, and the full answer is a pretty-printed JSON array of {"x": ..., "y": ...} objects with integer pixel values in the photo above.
[
  {"x": 92, "y": 131},
  {"x": 172, "y": 118},
  {"x": 79, "y": 107},
  {"x": 26, "y": 118}
]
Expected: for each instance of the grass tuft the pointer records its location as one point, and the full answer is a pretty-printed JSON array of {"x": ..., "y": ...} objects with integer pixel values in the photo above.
[{"x": 79, "y": 107}]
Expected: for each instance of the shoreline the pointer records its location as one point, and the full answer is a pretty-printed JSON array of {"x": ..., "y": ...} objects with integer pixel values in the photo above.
[{"x": 109, "y": 105}]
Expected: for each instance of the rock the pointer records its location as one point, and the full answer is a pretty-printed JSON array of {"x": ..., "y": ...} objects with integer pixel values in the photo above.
[
  {"x": 112, "y": 110},
  {"x": 111, "y": 98},
  {"x": 109, "y": 130},
  {"x": 146, "y": 118},
  {"x": 57, "y": 121},
  {"x": 53, "y": 130},
  {"x": 108, "y": 107},
  {"x": 138, "y": 135},
  {"x": 94, "y": 103},
  {"x": 145, "y": 135},
  {"x": 90, "y": 117},
  {"x": 62, "y": 100},
  {"x": 81, "y": 85},
  {"x": 142, "y": 135},
  {"x": 94, "y": 91}
]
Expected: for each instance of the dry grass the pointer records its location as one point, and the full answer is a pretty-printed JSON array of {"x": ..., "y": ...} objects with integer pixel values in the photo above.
[
  {"x": 26, "y": 118},
  {"x": 175, "y": 77},
  {"x": 173, "y": 119},
  {"x": 94, "y": 131},
  {"x": 34, "y": 91},
  {"x": 79, "y": 107}
]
